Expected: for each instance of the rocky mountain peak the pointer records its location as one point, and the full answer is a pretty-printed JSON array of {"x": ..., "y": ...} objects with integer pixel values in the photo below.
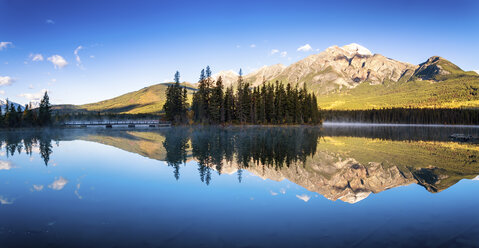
[
  {"x": 435, "y": 66},
  {"x": 229, "y": 77}
]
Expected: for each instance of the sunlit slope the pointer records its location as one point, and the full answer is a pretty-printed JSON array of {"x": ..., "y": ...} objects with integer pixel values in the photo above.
[
  {"x": 147, "y": 144},
  {"x": 451, "y": 93},
  {"x": 149, "y": 100}
]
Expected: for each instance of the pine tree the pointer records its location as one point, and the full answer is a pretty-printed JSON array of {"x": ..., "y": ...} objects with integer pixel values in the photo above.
[
  {"x": 240, "y": 112},
  {"x": 27, "y": 117},
  {"x": 216, "y": 105},
  {"x": 44, "y": 111},
  {"x": 229, "y": 105},
  {"x": 176, "y": 104},
  {"x": 201, "y": 99}
]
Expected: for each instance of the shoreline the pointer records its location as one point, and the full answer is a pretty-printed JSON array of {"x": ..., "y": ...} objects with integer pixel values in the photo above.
[
  {"x": 363, "y": 124},
  {"x": 324, "y": 124}
]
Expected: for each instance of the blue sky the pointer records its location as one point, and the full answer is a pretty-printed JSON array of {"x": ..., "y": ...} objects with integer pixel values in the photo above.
[{"x": 123, "y": 46}]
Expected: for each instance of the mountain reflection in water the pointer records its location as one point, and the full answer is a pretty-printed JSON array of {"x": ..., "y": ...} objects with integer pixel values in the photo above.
[{"x": 346, "y": 164}]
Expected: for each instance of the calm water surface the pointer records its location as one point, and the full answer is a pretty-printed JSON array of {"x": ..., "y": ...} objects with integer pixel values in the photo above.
[{"x": 339, "y": 186}]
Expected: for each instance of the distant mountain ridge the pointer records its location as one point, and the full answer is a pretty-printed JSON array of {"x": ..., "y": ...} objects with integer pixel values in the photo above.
[
  {"x": 3, "y": 103},
  {"x": 347, "y": 77}
]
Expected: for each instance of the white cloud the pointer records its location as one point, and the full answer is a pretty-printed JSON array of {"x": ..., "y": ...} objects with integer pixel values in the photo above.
[
  {"x": 37, "y": 187},
  {"x": 5, "y": 201},
  {"x": 304, "y": 197},
  {"x": 2, "y": 92},
  {"x": 274, "y": 51},
  {"x": 36, "y": 57},
  {"x": 6, "y": 80},
  {"x": 252, "y": 45},
  {"x": 30, "y": 86},
  {"x": 283, "y": 54},
  {"x": 305, "y": 48},
  {"x": 49, "y": 21},
  {"x": 77, "y": 193},
  {"x": 92, "y": 56},
  {"x": 58, "y": 61},
  {"x": 33, "y": 97},
  {"x": 5, "y": 44},
  {"x": 77, "y": 57},
  {"x": 5, "y": 165},
  {"x": 58, "y": 184}
]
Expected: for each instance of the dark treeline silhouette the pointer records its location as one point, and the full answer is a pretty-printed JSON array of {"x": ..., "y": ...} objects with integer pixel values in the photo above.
[
  {"x": 11, "y": 117},
  {"x": 25, "y": 142},
  {"x": 213, "y": 147},
  {"x": 176, "y": 104},
  {"x": 399, "y": 133},
  {"x": 266, "y": 104},
  {"x": 405, "y": 116}
]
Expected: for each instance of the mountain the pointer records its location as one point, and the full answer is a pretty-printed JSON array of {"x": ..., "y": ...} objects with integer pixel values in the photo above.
[
  {"x": 351, "y": 77},
  {"x": 3, "y": 103},
  {"x": 347, "y": 77},
  {"x": 148, "y": 100},
  {"x": 345, "y": 67}
]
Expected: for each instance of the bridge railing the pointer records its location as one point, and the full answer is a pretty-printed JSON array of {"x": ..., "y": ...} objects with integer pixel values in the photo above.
[{"x": 116, "y": 122}]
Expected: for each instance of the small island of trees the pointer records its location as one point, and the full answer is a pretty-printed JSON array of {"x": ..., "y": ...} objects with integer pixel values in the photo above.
[{"x": 261, "y": 105}]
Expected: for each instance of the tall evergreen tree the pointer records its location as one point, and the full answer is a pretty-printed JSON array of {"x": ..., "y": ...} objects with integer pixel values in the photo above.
[
  {"x": 229, "y": 105},
  {"x": 44, "y": 111},
  {"x": 176, "y": 104},
  {"x": 216, "y": 104}
]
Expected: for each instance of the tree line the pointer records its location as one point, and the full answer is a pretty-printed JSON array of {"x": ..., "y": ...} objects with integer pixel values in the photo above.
[
  {"x": 266, "y": 104},
  {"x": 405, "y": 116},
  {"x": 11, "y": 117}
]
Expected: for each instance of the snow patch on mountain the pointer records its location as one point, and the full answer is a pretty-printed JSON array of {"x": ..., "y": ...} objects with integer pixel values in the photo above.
[
  {"x": 3, "y": 103},
  {"x": 355, "y": 48}
]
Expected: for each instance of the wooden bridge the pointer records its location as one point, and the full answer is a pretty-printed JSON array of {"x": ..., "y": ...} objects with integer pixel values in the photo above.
[{"x": 118, "y": 123}]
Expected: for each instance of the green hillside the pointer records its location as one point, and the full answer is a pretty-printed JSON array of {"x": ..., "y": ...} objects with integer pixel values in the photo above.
[
  {"x": 451, "y": 93},
  {"x": 148, "y": 100}
]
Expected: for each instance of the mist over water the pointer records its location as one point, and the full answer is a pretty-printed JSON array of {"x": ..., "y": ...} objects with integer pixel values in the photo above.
[{"x": 340, "y": 185}]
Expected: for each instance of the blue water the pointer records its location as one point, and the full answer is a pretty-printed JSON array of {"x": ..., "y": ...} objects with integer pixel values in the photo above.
[{"x": 93, "y": 194}]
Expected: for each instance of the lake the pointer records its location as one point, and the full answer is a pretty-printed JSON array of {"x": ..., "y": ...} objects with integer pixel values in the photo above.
[{"x": 336, "y": 186}]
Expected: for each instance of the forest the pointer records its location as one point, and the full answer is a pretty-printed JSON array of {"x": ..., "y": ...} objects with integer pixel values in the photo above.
[
  {"x": 405, "y": 116},
  {"x": 11, "y": 117},
  {"x": 266, "y": 104}
]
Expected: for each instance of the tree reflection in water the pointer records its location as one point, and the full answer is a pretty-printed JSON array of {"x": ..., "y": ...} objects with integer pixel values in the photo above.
[
  {"x": 15, "y": 142},
  {"x": 212, "y": 147}
]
